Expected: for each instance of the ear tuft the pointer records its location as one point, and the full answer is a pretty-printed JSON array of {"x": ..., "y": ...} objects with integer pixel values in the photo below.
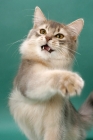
[
  {"x": 37, "y": 8},
  {"x": 38, "y": 16},
  {"x": 77, "y": 26}
]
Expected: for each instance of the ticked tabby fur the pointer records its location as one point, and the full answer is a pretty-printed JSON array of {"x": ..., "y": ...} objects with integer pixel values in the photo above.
[{"x": 39, "y": 100}]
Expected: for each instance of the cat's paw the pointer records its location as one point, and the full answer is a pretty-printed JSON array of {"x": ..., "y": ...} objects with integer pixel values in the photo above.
[{"x": 72, "y": 84}]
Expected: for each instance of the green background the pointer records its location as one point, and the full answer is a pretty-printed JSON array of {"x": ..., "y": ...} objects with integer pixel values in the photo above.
[{"x": 15, "y": 22}]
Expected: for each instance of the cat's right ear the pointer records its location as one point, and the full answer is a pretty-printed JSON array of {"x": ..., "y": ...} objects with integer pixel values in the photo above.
[
  {"x": 39, "y": 17},
  {"x": 76, "y": 26}
]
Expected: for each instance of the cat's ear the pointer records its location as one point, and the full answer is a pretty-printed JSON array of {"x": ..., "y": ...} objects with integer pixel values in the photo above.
[
  {"x": 38, "y": 17},
  {"x": 76, "y": 26}
]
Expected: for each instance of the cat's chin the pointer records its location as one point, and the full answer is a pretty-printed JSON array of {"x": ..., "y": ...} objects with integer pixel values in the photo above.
[{"x": 46, "y": 48}]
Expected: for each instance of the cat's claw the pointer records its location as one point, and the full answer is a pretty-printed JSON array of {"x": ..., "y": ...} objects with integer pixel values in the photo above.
[{"x": 72, "y": 84}]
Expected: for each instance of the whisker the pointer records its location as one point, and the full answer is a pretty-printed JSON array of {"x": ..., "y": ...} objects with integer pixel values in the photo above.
[
  {"x": 61, "y": 51},
  {"x": 72, "y": 50},
  {"x": 73, "y": 57},
  {"x": 15, "y": 42},
  {"x": 20, "y": 40},
  {"x": 14, "y": 53},
  {"x": 10, "y": 45}
]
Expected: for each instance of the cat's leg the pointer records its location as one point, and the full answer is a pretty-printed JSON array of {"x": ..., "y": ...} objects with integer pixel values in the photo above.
[
  {"x": 43, "y": 86},
  {"x": 52, "y": 135},
  {"x": 55, "y": 133}
]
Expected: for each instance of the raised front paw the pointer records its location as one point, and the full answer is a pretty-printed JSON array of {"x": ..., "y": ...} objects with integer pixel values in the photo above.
[{"x": 71, "y": 84}]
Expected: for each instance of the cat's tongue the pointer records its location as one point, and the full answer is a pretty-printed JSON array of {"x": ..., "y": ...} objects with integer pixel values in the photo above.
[{"x": 46, "y": 47}]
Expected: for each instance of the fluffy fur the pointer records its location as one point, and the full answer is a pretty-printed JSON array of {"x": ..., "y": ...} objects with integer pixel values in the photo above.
[{"x": 39, "y": 100}]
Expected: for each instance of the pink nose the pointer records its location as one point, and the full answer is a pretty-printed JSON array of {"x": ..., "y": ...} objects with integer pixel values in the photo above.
[{"x": 48, "y": 38}]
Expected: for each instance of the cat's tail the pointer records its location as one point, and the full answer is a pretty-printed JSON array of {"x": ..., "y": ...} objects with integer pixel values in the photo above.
[{"x": 86, "y": 112}]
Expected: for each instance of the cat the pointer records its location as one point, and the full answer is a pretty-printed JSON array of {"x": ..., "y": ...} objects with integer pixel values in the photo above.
[{"x": 39, "y": 101}]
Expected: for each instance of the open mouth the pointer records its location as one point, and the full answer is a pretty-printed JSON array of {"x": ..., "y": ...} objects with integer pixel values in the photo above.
[{"x": 47, "y": 48}]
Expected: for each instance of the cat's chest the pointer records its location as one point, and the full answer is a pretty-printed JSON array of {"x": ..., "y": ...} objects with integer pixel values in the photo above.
[
  {"x": 36, "y": 118},
  {"x": 46, "y": 114}
]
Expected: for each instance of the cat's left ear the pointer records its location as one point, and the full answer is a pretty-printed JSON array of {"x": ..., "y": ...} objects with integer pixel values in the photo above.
[
  {"x": 76, "y": 26},
  {"x": 39, "y": 17}
]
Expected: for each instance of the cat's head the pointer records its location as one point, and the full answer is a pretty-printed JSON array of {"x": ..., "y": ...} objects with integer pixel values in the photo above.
[{"x": 51, "y": 41}]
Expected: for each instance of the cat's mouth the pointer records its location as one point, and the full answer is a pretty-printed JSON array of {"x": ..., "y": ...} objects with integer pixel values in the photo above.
[{"x": 47, "y": 48}]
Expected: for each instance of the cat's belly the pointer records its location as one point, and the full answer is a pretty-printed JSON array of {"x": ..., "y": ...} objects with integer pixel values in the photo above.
[{"x": 36, "y": 119}]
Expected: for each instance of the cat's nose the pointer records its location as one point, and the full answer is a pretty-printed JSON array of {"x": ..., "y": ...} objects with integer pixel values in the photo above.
[{"x": 48, "y": 38}]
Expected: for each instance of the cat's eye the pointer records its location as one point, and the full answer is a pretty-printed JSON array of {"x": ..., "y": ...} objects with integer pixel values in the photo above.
[
  {"x": 42, "y": 31},
  {"x": 60, "y": 36}
]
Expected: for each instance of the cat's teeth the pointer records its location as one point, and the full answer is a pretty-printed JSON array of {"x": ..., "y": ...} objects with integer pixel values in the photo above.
[{"x": 43, "y": 48}]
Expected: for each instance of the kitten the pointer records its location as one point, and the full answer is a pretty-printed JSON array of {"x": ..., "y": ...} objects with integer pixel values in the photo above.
[{"x": 39, "y": 100}]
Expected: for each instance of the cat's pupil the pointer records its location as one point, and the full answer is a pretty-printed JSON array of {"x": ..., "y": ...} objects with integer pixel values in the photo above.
[
  {"x": 59, "y": 36},
  {"x": 42, "y": 31}
]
